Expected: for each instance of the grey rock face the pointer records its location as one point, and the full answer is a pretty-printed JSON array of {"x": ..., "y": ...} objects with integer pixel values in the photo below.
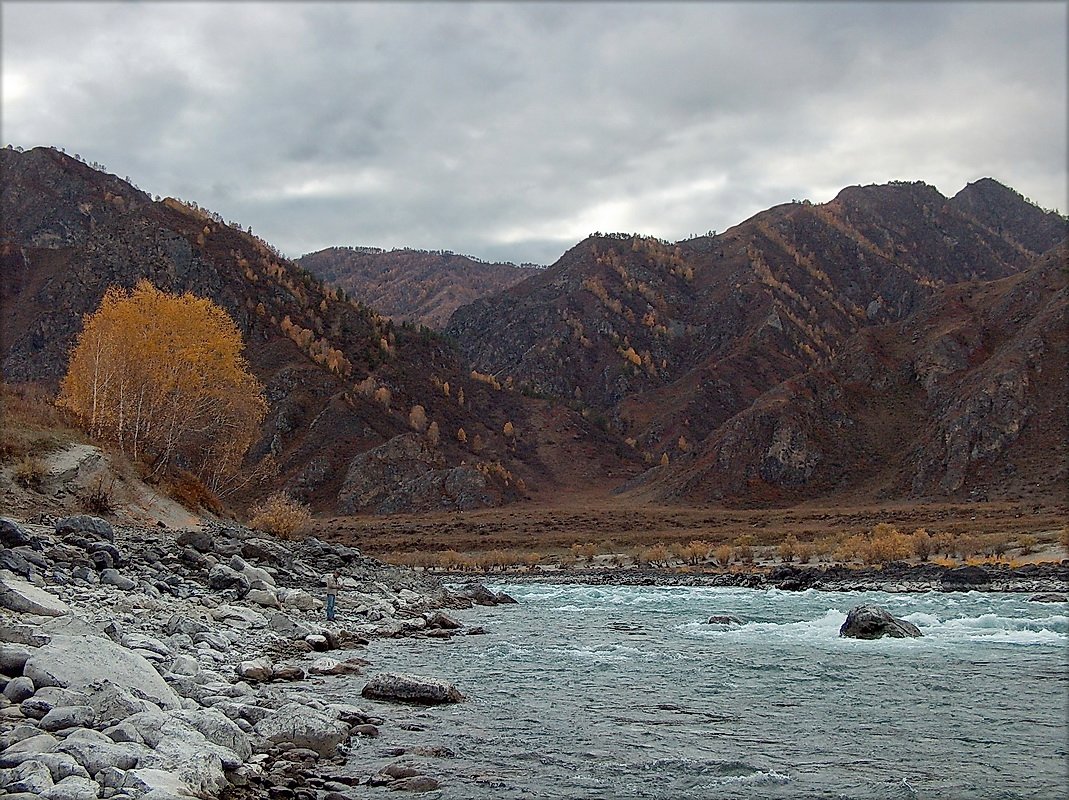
[
  {"x": 411, "y": 689},
  {"x": 873, "y": 622}
]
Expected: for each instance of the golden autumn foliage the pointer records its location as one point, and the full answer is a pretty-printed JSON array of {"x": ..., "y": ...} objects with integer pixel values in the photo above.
[{"x": 162, "y": 376}]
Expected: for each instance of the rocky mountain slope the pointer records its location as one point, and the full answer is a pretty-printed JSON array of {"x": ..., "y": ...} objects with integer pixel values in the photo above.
[
  {"x": 341, "y": 380},
  {"x": 964, "y": 398},
  {"x": 415, "y": 286},
  {"x": 671, "y": 341},
  {"x": 891, "y": 343}
]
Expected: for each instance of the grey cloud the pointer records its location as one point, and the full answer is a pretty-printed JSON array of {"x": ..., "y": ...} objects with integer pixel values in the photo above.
[{"x": 502, "y": 130}]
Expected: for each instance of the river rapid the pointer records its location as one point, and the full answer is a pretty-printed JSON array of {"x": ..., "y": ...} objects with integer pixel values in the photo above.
[{"x": 627, "y": 692}]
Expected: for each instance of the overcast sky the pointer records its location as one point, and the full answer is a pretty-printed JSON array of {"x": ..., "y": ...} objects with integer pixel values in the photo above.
[{"x": 510, "y": 131}]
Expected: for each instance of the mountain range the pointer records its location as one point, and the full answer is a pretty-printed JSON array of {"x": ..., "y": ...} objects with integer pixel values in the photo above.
[{"x": 890, "y": 344}]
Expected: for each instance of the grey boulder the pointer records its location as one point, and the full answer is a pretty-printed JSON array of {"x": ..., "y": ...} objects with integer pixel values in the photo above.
[
  {"x": 301, "y": 726},
  {"x": 25, "y": 598},
  {"x": 873, "y": 622},
  {"x": 411, "y": 689},
  {"x": 78, "y": 661}
]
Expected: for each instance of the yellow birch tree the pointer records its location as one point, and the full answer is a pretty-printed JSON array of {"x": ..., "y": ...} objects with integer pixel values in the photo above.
[{"x": 162, "y": 376}]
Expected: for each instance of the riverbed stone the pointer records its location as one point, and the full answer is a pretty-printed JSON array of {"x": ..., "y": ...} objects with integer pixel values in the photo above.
[
  {"x": 29, "y": 776},
  {"x": 64, "y": 717},
  {"x": 85, "y": 525},
  {"x": 301, "y": 726},
  {"x": 12, "y": 534},
  {"x": 19, "y": 689},
  {"x": 78, "y": 661},
  {"x": 73, "y": 787}
]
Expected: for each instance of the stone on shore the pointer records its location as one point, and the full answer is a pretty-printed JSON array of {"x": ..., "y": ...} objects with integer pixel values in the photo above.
[
  {"x": 302, "y": 726},
  {"x": 410, "y": 689},
  {"x": 964, "y": 578},
  {"x": 24, "y": 598},
  {"x": 873, "y": 622},
  {"x": 76, "y": 662},
  {"x": 85, "y": 525}
]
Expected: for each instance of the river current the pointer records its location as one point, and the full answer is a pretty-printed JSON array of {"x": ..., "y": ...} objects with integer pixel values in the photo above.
[{"x": 627, "y": 692}]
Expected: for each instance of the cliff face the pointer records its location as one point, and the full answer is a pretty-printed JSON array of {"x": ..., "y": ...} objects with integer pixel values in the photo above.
[{"x": 963, "y": 399}]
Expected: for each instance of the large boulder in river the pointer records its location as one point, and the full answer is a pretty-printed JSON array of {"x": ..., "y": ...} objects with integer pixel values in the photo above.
[
  {"x": 411, "y": 689},
  {"x": 872, "y": 622},
  {"x": 482, "y": 596}
]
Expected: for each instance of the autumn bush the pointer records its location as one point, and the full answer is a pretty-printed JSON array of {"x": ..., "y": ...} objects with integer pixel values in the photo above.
[
  {"x": 723, "y": 554},
  {"x": 29, "y": 472},
  {"x": 162, "y": 376},
  {"x": 190, "y": 491},
  {"x": 281, "y": 515}
]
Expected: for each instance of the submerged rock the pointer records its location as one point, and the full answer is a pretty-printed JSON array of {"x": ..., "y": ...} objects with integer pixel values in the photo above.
[
  {"x": 411, "y": 689},
  {"x": 723, "y": 619},
  {"x": 482, "y": 596},
  {"x": 873, "y": 622},
  {"x": 1049, "y": 597}
]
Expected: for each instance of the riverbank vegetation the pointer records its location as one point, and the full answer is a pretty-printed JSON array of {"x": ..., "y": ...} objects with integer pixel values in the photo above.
[{"x": 882, "y": 544}]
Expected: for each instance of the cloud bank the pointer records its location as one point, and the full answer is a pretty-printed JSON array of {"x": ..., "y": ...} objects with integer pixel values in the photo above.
[{"x": 511, "y": 131}]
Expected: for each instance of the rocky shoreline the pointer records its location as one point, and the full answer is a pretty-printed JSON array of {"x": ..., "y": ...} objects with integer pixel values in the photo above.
[
  {"x": 161, "y": 664},
  {"x": 1037, "y": 579}
]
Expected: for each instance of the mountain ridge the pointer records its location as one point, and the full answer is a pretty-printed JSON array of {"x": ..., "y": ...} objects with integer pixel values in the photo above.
[{"x": 727, "y": 356}]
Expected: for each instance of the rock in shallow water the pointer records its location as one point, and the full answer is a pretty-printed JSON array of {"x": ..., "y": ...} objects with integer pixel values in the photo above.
[
  {"x": 411, "y": 689},
  {"x": 873, "y": 622}
]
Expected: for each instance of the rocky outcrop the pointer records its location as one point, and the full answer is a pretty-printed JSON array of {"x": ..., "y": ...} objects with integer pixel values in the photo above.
[
  {"x": 873, "y": 622},
  {"x": 404, "y": 475}
]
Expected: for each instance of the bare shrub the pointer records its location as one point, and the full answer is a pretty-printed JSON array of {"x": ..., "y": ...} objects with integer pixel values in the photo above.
[
  {"x": 281, "y": 515},
  {"x": 98, "y": 499}
]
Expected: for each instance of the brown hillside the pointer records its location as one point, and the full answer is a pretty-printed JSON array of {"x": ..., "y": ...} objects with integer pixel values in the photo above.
[
  {"x": 341, "y": 380},
  {"x": 964, "y": 399},
  {"x": 671, "y": 342},
  {"x": 415, "y": 286}
]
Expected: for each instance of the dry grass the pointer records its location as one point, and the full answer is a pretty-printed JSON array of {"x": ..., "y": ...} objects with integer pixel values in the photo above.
[
  {"x": 32, "y": 425},
  {"x": 563, "y": 533},
  {"x": 281, "y": 515}
]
